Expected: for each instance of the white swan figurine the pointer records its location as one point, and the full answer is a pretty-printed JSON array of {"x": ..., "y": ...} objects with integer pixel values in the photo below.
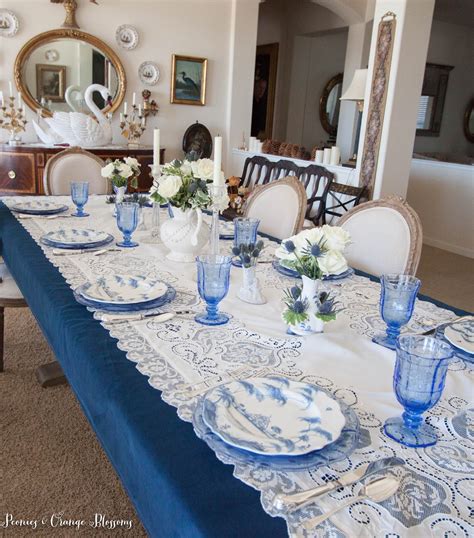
[
  {"x": 78, "y": 129},
  {"x": 70, "y": 90},
  {"x": 46, "y": 135}
]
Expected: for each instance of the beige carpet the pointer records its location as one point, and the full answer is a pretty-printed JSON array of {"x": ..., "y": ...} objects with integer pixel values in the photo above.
[{"x": 51, "y": 461}]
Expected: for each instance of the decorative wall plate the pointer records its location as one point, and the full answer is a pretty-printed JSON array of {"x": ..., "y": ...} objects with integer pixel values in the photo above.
[
  {"x": 9, "y": 24},
  {"x": 127, "y": 36},
  {"x": 197, "y": 139},
  {"x": 149, "y": 73},
  {"x": 52, "y": 55}
]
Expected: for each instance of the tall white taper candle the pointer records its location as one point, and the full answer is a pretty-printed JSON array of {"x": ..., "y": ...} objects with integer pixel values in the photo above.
[
  {"x": 156, "y": 147},
  {"x": 217, "y": 160},
  {"x": 10, "y": 87}
]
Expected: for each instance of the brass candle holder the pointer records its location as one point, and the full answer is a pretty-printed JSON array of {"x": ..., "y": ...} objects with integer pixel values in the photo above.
[
  {"x": 13, "y": 119},
  {"x": 133, "y": 125},
  {"x": 150, "y": 106}
]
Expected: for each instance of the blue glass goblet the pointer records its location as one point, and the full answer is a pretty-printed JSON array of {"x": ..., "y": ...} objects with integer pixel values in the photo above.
[
  {"x": 397, "y": 300},
  {"x": 80, "y": 195},
  {"x": 213, "y": 272},
  {"x": 418, "y": 382},
  {"x": 127, "y": 221},
  {"x": 245, "y": 232}
]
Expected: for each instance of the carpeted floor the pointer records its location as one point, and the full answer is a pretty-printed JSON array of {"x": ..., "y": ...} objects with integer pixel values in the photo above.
[{"x": 51, "y": 461}]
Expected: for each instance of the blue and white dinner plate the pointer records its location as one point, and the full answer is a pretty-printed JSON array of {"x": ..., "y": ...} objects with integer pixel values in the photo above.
[
  {"x": 226, "y": 230},
  {"x": 286, "y": 271},
  {"x": 458, "y": 352},
  {"x": 76, "y": 238},
  {"x": 273, "y": 416},
  {"x": 336, "y": 451},
  {"x": 461, "y": 334},
  {"x": 117, "y": 307},
  {"x": 125, "y": 289},
  {"x": 39, "y": 207}
]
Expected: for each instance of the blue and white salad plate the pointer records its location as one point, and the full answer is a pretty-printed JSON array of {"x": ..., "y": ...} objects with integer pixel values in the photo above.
[
  {"x": 461, "y": 334},
  {"x": 81, "y": 291},
  {"x": 336, "y": 451},
  {"x": 76, "y": 238},
  {"x": 459, "y": 352},
  {"x": 226, "y": 230},
  {"x": 120, "y": 289},
  {"x": 286, "y": 271},
  {"x": 273, "y": 416},
  {"x": 39, "y": 207}
]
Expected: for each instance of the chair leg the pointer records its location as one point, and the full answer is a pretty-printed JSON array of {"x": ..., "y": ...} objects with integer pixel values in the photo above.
[
  {"x": 50, "y": 375},
  {"x": 2, "y": 337}
]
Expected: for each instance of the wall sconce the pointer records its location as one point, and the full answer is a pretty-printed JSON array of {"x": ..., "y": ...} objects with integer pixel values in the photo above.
[
  {"x": 356, "y": 92},
  {"x": 149, "y": 107}
]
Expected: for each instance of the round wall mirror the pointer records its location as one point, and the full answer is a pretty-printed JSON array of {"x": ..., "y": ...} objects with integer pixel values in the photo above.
[
  {"x": 54, "y": 69},
  {"x": 329, "y": 104},
  {"x": 469, "y": 121}
]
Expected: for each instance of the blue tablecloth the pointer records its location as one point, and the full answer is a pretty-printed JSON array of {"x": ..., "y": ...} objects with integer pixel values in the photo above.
[
  {"x": 176, "y": 483},
  {"x": 174, "y": 480}
]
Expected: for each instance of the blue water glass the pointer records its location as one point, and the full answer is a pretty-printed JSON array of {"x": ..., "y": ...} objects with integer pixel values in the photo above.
[
  {"x": 127, "y": 221},
  {"x": 418, "y": 382},
  {"x": 80, "y": 195},
  {"x": 213, "y": 272},
  {"x": 397, "y": 300},
  {"x": 245, "y": 232}
]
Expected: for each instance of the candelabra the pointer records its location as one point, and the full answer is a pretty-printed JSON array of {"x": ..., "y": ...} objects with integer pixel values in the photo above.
[
  {"x": 133, "y": 125},
  {"x": 220, "y": 200},
  {"x": 13, "y": 119}
]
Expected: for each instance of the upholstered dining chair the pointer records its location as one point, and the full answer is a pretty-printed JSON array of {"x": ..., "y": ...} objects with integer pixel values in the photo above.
[
  {"x": 74, "y": 164},
  {"x": 386, "y": 237},
  {"x": 280, "y": 206}
]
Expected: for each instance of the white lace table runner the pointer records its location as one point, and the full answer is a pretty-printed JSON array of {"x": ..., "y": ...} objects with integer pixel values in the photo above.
[{"x": 436, "y": 496}]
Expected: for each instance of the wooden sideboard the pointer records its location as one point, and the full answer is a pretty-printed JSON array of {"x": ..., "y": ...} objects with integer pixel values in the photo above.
[{"x": 22, "y": 167}]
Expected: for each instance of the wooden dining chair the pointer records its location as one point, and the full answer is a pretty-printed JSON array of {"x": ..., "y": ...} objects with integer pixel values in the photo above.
[
  {"x": 281, "y": 169},
  {"x": 257, "y": 171},
  {"x": 74, "y": 164},
  {"x": 340, "y": 199},
  {"x": 317, "y": 182},
  {"x": 280, "y": 206},
  {"x": 386, "y": 237}
]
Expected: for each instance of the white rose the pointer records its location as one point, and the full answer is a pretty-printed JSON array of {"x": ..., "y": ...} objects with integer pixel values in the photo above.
[
  {"x": 195, "y": 168},
  {"x": 107, "y": 170},
  {"x": 313, "y": 235},
  {"x": 336, "y": 238},
  {"x": 186, "y": 168},
  {"x": 169, "y": 186},
  {"x": 133, "y": 163},
  {"x": 223, "y": 202},
  {"x": 332, "y": 263},
  {"x": 125, "y": 170},
  {"x": 205, "y": 168}
]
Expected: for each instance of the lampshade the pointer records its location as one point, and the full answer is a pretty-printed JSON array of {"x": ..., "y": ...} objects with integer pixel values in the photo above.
[{"x": 356, "y": 89}]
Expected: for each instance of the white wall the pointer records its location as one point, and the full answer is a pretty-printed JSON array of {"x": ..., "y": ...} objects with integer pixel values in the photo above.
[
  {"x": 315, "y": 61},
  {"x": 193, "y": 27},
  {"x": 452, "y": 44},
  {"x": 443, "y": 196}
]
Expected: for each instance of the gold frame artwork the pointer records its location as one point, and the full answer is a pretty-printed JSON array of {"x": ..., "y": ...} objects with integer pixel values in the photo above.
[
  {"x": 202, "y": 97},
  {"x": 62, "y": 33},
  {"x": 270, "y": 50},
  {"x": 40, "y": 70}
]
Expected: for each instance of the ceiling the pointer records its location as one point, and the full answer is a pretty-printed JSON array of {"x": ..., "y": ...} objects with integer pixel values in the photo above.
[{"x": 455, "y": 11}]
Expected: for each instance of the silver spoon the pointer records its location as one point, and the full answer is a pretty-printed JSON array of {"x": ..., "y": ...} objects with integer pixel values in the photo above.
[{"x": 376, "y": 491}]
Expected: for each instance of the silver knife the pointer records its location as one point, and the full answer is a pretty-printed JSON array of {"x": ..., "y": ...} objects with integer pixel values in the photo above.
[
  {"x": 361, "y": 473},
  {"x": 95, "y": 252},
  {"x": 160, "y": 316}
]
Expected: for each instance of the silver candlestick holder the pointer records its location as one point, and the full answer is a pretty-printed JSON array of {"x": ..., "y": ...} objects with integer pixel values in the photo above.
[
  {"x": 155, "y": 223},
  {"x": 219, "y": 197}
]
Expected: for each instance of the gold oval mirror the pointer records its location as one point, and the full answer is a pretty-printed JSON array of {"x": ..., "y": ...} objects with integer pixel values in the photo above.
[
  {"x": 329, "y": 104},
  {"x": 54, "y": 69},
  {"x": 469, "y": 121}
]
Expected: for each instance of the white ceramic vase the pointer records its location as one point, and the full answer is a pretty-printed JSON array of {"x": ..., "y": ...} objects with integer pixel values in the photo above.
[
  {"x": 119, "y": 196},
  {"x": 185, "y": 234},
  {"x": 250, "y": 291},
  {"x": 313, "y": 324}
]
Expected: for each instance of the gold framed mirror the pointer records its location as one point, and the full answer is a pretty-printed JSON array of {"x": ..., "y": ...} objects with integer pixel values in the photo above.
[
  {"x": 329, "y": 104},
  {"x": 53, "y": 70}
]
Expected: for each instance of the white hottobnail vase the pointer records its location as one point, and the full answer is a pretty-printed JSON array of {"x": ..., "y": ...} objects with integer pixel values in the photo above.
[
  {"x": 119, "y": 196},
  {"x": 250, "y": 291},
  {"x": 313, "y": 324},
  {"x": 184, "y": 235}
]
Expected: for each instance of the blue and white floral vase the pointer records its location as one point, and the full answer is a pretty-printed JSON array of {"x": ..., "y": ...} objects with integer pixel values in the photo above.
[{"x": 313, "y": 324}]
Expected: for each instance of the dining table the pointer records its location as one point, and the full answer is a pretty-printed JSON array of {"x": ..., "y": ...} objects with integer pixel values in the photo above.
[{"x": 130, "y": 379}]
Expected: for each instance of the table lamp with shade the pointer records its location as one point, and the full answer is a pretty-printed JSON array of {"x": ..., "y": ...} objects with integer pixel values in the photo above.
[{"x": 356, "y": 92}]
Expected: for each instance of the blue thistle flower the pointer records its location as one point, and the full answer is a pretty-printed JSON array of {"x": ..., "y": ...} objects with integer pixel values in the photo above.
[
  {"x": 246, "y": 259},
  {"x": 316, "y": 250},
  {"x": 235, "y": 251},
  {"x": 299, "y": 307},
  {"x": 290, "y": 246},
  {"x": 259, "y": 244},
  {"x": 295, "y": 292}
]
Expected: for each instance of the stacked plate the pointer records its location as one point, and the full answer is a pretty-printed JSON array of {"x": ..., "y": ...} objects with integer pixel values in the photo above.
[
  {"x": 76, "y": 239},
  {"x": 226, "y": 230},
  {"x": 276, "y": 422},
  {"x": 286, "y": 271},
  {"x": 123, "y": 293},
  {"x": 39, "y": 207},
  {"x": 460, "y": 335}
]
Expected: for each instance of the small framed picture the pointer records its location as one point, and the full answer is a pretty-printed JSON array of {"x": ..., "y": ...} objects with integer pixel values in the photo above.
[
  {"x": 188, "y": 80},
  {"x": 50, "y": 82}
]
